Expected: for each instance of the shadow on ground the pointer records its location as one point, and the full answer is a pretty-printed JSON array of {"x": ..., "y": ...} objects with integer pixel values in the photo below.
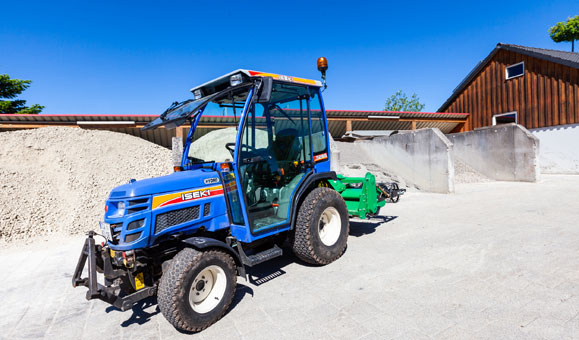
[
  {"x": 260, "y": 274},
  {"x": 143, "y": 311},
  {"x": 272, "y": 269},
  {"x": 364, "y": 227}
]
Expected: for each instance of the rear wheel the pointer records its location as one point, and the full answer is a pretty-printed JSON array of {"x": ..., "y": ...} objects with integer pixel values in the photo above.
[
  {"x": 197, "y": 288},
  {"x": 321, "y": 231}
]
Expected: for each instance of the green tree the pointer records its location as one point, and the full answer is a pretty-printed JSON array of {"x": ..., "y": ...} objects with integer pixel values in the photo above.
[
  {"x": 566, "y": 31},
  {"x": 400, "y": 102},
  {"x": 10, "y": 89}
]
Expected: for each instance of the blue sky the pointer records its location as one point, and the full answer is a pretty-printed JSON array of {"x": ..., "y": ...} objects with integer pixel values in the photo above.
[{"x": 136, "y": 57}]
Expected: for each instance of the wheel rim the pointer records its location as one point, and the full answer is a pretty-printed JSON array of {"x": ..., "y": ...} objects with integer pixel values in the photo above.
[
  {"x": 329, "y": 226},
  {"x": 207, "y": 289}
]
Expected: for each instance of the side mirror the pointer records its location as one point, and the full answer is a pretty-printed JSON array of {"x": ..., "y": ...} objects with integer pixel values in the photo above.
[{"x": 265, "y": 91}]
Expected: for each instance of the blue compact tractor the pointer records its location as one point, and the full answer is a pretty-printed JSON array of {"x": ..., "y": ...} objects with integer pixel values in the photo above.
[{"x": 186, "y": 237}]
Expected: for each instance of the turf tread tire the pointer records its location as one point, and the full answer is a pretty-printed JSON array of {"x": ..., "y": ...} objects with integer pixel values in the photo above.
[
  {"x": 305, "y": 239},
  {"x": 173, "y": 296}
]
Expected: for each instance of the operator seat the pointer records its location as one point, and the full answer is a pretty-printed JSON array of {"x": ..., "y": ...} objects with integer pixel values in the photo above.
[{"x": 286, "y": 147}]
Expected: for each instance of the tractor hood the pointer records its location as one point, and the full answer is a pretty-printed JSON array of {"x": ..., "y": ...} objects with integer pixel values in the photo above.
[{"x": 173, "y": 182}]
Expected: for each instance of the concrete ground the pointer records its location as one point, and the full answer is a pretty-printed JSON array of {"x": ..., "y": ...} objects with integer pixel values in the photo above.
[{"x": 492, "y": 261}]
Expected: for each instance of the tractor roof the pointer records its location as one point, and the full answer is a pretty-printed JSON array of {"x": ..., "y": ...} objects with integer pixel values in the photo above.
[{"x": 223, "y": 81}]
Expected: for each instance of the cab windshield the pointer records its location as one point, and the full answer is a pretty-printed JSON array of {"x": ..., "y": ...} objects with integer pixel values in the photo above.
[{"x": 222, "y": 110}]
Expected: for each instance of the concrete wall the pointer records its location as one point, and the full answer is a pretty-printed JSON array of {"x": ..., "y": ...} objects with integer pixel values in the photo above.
[
  {"x": 559, "y": 152},
  {"x": 334, "y": 156},
  {"x": 504, "y": 152},
  {"x": 423, "y": 158}
]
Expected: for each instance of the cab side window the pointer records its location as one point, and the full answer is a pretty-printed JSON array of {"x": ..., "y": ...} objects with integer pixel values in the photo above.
[{"x": 318, "y": 129}]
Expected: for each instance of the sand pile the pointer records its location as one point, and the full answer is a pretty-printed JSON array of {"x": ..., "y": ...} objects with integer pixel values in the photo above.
[{"x": 57, "y": 179}]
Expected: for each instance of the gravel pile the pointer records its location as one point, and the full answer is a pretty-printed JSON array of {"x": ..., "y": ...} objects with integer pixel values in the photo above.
[
  {"x": 56, "y": 179},
  {"x": 463, "y": 173},
  {"x": 211, "y": 146}
]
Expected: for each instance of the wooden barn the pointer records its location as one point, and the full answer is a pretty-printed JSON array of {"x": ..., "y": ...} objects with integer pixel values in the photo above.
[{"x": 534, "y": 87}]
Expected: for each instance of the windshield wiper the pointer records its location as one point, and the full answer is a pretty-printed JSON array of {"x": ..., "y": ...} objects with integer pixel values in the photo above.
[
  {"x": 195, "y": 160},
  {"x": 276, "y": 107},
  {"x": 173, "y": 107}
]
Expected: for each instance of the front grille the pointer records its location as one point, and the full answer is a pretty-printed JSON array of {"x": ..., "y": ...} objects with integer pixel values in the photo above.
[
  {"x": 132, "y": 237},
  {"x": 137, "y": 209},
  {"x": 175, "y": 217},
  {"x": 138, "y": 201},
  {"x": 116, "y": 231},
  {"x": 206, "y": 209},
  {"x": 136, "y": 205},
  {"x": 136, "y": 224}
]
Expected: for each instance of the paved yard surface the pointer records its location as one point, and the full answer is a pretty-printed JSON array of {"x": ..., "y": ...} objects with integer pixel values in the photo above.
[{"x": 493, "y": 261}]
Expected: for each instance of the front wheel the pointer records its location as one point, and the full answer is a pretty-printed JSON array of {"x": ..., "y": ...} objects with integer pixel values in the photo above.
[
  {"x": 197, "y": 288},
  {"x": 321, "y": 231}
]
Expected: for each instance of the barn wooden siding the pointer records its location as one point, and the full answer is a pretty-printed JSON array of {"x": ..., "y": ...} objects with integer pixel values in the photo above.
[{"x": 546, "y": 95}]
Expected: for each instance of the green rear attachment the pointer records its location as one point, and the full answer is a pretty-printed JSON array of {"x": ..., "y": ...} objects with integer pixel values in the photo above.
[{"x": 363, "y": 198}]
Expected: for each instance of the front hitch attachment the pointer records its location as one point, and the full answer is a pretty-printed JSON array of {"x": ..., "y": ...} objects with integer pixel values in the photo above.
[{"x": 90, "y": 253}]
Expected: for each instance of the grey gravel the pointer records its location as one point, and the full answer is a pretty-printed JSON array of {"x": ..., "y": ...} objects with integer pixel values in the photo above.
[
  {"x": 56, "y": 179},
  {"x": 464, "y": 173}
]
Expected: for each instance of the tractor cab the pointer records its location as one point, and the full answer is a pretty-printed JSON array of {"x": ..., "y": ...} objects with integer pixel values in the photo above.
[{"x": 281, "y": 138}]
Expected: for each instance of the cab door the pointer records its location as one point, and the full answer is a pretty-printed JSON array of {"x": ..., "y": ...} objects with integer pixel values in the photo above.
[{"x": 275, "y": 154}]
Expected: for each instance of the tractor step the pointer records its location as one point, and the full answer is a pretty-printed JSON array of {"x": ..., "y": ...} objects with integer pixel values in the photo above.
[{"x": 263, "y": 256}]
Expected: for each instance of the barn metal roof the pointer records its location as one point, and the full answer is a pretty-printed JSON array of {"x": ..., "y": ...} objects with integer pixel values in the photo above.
[
  {"x": 570, "y": 59},
  {"x": 143, "y": 119},
  {"x": 68, "y": 118},
  {"x": 402, "y": 114},
  {"x": 131, "y": 124}
]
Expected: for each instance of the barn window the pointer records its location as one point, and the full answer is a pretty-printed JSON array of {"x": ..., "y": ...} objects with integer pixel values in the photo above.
[
  {"x": 505, "y": 118},
  {"x": 515, "y": 70}
]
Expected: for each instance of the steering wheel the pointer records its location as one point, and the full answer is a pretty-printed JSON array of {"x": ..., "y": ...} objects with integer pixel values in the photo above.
[{"x": 268, "y": 158}]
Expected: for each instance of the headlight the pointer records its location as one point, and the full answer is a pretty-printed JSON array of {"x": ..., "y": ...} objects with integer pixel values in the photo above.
[
  {"x": 235, "y": 79},
  {"x": 121, "y": 208}
]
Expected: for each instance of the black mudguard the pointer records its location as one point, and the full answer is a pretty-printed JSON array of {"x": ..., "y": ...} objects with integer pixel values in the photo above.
[
  {"x": 303, "y": 190},
  {"x": 201, "y": 243}
]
